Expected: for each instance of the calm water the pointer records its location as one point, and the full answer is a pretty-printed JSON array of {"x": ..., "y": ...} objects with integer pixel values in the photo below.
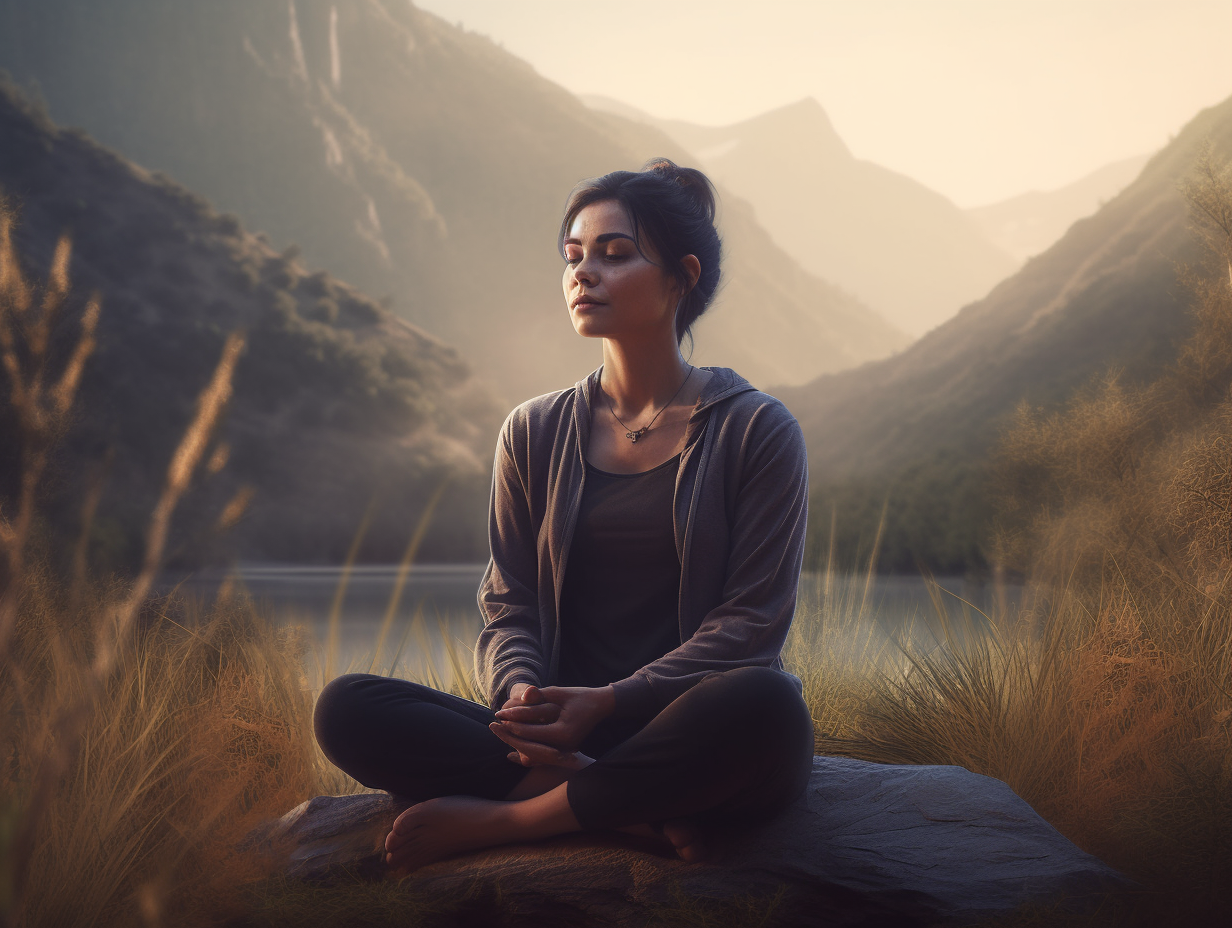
[{"x": 437, "y": 602}]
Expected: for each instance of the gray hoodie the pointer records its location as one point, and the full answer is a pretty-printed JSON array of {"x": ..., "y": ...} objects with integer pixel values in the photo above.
[{"x": 740, "y": 507}]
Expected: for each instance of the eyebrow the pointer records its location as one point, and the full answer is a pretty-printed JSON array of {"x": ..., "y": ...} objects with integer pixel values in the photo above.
[{"x": 600, "y": 239}]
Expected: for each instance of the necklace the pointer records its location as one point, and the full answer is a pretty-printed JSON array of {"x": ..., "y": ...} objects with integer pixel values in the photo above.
[{"x": 634, "y": 434}]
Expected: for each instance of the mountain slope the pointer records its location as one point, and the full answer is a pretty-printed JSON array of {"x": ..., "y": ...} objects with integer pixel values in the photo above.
[
  {"x": 408, "y": 156},
  {"x": 337, "y": 403},
  {"x": 905, "y": 250},
  {"x": 1028, "y": 224},
  {"x": 1104, "y": 295}
]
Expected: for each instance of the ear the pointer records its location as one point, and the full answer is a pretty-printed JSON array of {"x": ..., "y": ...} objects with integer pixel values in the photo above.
[{"x": 692, "y": 268}]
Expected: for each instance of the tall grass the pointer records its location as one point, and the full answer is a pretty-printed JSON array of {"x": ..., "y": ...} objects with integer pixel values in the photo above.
[
  {"x": 1113, "y": 723},
  {"x": 1110, "y": 725},
  {"x": 142, "y": 736}
]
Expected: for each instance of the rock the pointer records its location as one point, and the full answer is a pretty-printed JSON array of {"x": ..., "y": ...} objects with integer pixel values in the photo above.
[{"x": 867, "y": 844}]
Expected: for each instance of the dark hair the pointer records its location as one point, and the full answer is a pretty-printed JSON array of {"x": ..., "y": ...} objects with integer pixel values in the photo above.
[{"x": 673, "y": 207}]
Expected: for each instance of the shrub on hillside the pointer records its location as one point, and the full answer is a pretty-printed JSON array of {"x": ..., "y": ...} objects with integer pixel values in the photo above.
[{"x": 1128, "y": 480}]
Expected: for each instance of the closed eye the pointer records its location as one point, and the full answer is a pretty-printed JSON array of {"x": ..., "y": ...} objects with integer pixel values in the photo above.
[{"x": 610, "y": 257}]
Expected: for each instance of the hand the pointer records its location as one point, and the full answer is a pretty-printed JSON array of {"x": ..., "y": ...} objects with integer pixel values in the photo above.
[
  {"x": 530, "y": 697},
  {"x": 536, "y": 710},
  {"x": 540, "y": 739}
]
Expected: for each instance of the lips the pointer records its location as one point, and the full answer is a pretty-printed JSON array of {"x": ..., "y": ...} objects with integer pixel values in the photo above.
[{"x": 583, "y": 300}]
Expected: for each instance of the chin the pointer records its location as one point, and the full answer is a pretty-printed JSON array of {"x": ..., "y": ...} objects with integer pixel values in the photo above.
[{"x": 587, "y": 328}]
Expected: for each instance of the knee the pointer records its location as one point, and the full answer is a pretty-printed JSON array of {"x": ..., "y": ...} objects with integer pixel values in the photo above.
[
  {"x": 764, "y": 698},
  {"x": 759, "y": 687},
  {"x": 337, "y": 708}
]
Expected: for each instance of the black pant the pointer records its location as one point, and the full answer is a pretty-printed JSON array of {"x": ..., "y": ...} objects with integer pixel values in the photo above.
[{"x": 738, "y": 746}]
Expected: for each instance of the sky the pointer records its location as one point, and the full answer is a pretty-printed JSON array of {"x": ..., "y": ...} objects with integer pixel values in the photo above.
[{"x": 980, "y": 100}]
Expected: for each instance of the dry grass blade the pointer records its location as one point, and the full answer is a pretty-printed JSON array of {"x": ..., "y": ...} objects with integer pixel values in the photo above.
[
  {"x": 66, "y": 388},
  {"x": 24, "y": 354},
  {"x": 114, "y": 626},
  {"x": 404, "y": 568},
  {"x": 210, "y": 405},
  {"x": 344, "y": 580}
]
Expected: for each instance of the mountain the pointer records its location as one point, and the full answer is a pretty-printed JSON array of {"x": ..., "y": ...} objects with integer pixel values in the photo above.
[
  {"x": 416, "y": 160},
  {"x": 913, "y": 432},
  {"x": 339, "y": 406},
  {"x": 903, "y": 249},
  {"x": 1028, "y": 224}
]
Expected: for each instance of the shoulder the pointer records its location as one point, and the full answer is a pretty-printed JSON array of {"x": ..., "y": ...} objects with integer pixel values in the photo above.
[
  {"x": 547, "y": 407},
  {"x": 754, "y": 404},
  {"x": 747, "y": 410},
  {"x": 539, "y": 419},
  {"x": 756, "y": 434}
]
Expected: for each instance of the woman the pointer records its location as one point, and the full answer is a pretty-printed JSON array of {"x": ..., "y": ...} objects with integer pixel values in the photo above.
[{"x": 647, "y": 531}]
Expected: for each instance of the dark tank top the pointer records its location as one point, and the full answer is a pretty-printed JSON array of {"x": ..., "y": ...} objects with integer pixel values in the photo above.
[{"x": 619, "y": 602}]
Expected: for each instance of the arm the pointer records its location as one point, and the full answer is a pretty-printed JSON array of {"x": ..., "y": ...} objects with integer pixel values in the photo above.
[
  {"x": 509, "y": 651},
  {"x": 766, "y": 551}
]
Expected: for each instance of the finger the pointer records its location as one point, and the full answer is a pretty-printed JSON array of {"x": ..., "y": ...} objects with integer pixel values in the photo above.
[
  {"x": 540, "y": 755},
  {"x": 545, "y": 712},
  {"x": 533, "y": 752},
  {"x": 542, "y": 712},
  {"x": 549, "y": 733},
  {"x": 531, "y": 695},
  {"x": 508, "y": 737}
]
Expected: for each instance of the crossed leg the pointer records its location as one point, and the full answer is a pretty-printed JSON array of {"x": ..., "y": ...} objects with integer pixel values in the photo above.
[{"x": 735, "y": 747}]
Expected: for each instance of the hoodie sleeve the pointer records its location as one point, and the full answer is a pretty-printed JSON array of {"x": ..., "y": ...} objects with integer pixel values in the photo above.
[
  {"x": 749, "y": 625},
  {"x": 509, "y": 650}
]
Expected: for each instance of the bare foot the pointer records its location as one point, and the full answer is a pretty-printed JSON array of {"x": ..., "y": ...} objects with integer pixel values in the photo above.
[
  {"x": 681, "y": 835},
  {"x": 441, "y": 828},
  {"x": 686, "y": 839}
]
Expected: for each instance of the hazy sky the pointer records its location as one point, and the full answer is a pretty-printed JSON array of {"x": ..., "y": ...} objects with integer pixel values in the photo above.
[{"x": 978, "y": 99}]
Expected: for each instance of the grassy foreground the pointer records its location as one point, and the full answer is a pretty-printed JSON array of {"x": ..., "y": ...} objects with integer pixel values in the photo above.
[{"x": 1113, "y": 725}]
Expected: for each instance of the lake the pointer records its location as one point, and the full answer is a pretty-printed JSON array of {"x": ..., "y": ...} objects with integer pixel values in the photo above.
[{"x": 437, "y": 603}]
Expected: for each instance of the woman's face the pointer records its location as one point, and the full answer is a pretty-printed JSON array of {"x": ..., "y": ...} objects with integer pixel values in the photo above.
[{"x": 610, "y": 288}]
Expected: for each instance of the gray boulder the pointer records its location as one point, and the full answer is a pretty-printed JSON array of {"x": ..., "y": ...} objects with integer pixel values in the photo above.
[{"x": 867, "y": 844}]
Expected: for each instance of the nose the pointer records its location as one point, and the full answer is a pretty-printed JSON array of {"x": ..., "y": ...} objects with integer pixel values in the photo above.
[{"x": 584, "y": 272}]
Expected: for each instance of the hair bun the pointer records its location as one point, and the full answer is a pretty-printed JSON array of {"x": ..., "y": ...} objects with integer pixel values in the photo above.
[{"x": 692, "y": 180}]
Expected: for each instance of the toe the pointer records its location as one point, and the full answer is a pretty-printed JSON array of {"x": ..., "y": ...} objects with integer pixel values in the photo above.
[
  {"x": 686, "y": 839},
  {"x": 681, "y": 832},
  {"x": 393, "y": 841},
  {"x": 404, "y": 857},
  {"x": 409, "y": 819}
]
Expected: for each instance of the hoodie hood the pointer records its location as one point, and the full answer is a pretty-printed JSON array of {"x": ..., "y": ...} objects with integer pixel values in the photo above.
[{"x": 723, "y": 383}]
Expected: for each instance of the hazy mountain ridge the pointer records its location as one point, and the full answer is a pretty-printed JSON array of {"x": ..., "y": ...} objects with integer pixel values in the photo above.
[
  {"x": 810, "y": 322},
  {"x": 1030, "y": 223},
  {"x": 902, "y": 248},
  {"x": 410, "y": 157},
  {"x": 337, "y": 402},
  {"x": 1104, "y": 295}
]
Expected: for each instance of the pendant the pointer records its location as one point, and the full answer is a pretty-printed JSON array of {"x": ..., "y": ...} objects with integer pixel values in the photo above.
[{"x": 634, "y": 436}]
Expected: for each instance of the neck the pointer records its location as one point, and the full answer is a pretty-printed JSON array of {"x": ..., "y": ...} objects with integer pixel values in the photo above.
[{"x": 642, "y": 376}]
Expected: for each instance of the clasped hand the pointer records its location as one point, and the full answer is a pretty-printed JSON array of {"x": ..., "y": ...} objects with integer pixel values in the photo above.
[{"x": 546, "y": 725}]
